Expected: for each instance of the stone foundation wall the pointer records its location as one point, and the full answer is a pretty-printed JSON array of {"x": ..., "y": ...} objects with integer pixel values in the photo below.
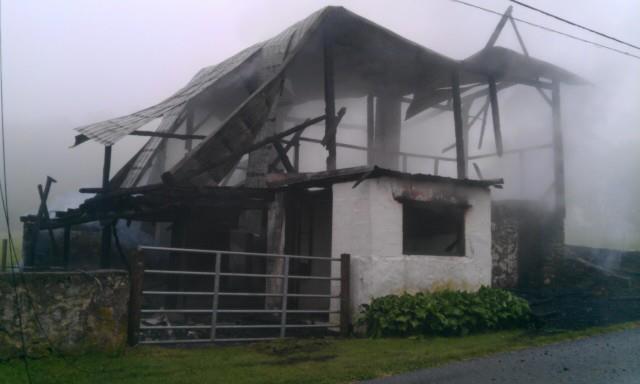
[
  {"x": 527, "y": 239},
  {"x": 71, "y": 312}
]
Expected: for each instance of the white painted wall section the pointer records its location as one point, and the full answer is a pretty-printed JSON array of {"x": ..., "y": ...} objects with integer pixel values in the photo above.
[{"x": 367, "y": 223}]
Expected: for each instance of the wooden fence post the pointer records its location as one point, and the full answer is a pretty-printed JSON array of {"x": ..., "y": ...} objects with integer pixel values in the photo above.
[
  {"x": 135, "y": 297},
  {"x": 3, "y": 267},
  {"x": 345, "y": 297}
]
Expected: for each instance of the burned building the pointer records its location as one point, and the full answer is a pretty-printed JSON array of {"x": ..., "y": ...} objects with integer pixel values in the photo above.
[{"x": 298, "y": 145}]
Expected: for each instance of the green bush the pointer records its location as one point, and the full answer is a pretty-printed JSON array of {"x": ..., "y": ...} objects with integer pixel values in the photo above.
[{"x": 445, "y": 313}]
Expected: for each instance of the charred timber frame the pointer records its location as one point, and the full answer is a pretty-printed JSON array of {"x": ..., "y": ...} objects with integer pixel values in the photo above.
[
  {"x": 461, "y": 160},
  {"x": 329, "y": 101},
  {"x": 105, "y": 244},
  {"x": 558, "y": 150},
  {"x": 370, "y": 128}
]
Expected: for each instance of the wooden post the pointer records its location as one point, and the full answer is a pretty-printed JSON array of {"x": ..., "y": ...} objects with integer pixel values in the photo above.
[
  {"x": 370, "y": 129},
  {"x": 3, "y": 266},
  {"x": 345, "y": 294},
  {"x": 459, "y": 126},
  {"x": 329, "y": 103},
  {"x": 135, "y": 297},
  {"x": 105, "y": 250},
  {"x": 558, "y": 150},
  {"x": 495, "y": 114}
]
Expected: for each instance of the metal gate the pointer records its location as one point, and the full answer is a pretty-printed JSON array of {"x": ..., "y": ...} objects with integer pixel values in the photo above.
[{"x": 151, "y": 317}]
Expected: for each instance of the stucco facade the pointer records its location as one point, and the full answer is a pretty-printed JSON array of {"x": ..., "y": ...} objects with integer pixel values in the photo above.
[{"x": 368, "y": 224}]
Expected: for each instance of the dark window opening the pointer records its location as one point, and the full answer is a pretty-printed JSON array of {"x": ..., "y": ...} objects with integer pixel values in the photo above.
[{"x": 433, "y": 229}]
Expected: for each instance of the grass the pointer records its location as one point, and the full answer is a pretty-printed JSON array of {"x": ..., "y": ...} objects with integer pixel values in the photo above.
[{"x": 285, "y": 361}]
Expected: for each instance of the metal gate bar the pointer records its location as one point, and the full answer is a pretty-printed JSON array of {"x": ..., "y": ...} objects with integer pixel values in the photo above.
[{"x": 215, "y": 294}]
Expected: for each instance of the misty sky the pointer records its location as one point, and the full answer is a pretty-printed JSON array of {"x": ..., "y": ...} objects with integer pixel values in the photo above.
[{"x": 71, "y": 63}]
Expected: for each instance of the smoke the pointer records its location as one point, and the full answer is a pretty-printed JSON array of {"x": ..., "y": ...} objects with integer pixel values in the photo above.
[{"x": 71, "y": 64}]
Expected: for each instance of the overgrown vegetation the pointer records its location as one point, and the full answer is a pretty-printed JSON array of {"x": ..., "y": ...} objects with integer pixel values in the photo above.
[{"x": 445, "y": 313}]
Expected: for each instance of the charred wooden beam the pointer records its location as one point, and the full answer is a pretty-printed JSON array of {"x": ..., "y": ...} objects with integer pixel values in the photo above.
[
  {"x": 329, "y": 102},
  {"x": 495, "y": 114},
  {"x": 282, "y": 155},
  {"x": 512, "y": 151},
  {"x": 105, "y": 243},
  {"x": 461, "y": 161},
  {"x": 295, "y": 143},
  {"x": 558, "y": 150},
  {"x": 499, "y": 27},
  {"x": 370, "y": 128},
  {"x": 166, "y": 135},
  {"x": 281, "y": 135},
  {"x": 478, "y": 172}
]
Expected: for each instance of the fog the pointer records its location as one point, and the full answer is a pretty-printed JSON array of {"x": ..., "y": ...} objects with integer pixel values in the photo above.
[{"x": 67, "y": 64}]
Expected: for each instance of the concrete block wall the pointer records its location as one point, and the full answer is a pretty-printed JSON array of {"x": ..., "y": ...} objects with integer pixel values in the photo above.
[{"x": 367, "y": 223}]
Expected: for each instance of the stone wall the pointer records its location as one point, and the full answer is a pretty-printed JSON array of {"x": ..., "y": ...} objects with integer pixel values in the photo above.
[
  {"x": 70, "y": 312},
  {"x": 526, "y": 239}
]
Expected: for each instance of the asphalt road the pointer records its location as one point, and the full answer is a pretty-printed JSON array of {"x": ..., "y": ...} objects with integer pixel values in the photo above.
[{"x": 612, "y": 358}]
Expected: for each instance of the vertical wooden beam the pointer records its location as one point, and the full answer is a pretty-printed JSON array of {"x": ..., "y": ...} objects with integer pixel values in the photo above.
[
  {"x": 105, "y": 244},
  {"x": 329, "y": 102},
  {"x": 135, "y": 297},
  {"x": 296, "y": 156},
  {"x": 345, "y": 294},
  {"x": 459, "y": 126},
  {"x": 370, "y": 128},
  {"x": 495, "y": 114},
  {"x": 558, "y": 150},
  {"x": 3, "y": 266}
]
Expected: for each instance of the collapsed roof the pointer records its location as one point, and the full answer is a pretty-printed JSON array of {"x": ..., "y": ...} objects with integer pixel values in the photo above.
[{"x": 368, "y": 59}]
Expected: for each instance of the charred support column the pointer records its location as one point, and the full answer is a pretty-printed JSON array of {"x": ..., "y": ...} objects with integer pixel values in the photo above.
[
  {"x": 495, "y": 115},
  {"x": 370, "y": 129},
  {"x": 105, "y": 251},
  {"x": 329, "y": 102},
  {"x": 388, "y": 121},
  {"x": 459, "y": 126},
  {"x": 558, "y": 150}
]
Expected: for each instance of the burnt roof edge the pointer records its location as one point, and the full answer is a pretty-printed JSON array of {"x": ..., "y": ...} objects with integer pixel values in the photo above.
[{"x": 325, "y": 178}]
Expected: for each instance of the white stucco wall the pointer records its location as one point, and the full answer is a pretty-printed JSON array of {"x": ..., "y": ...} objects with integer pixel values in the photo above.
[{"x": 367, "y": 223}]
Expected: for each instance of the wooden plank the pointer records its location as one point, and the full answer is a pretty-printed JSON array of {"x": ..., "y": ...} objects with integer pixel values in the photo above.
[
  {"x": 345, "y": 294},
  {"x": 558, "y": 151},
  {"x": 495, "y": 114},
  {"x": 461, "y": 161},
  {"x": 329, "y": 102}
]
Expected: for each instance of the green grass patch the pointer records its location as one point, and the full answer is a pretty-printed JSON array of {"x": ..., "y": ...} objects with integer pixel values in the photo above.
[{"x": 284, "y": 361}]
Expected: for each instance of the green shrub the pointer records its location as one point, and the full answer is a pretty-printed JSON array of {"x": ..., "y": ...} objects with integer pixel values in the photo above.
[{"x": 445, "y": 313}]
